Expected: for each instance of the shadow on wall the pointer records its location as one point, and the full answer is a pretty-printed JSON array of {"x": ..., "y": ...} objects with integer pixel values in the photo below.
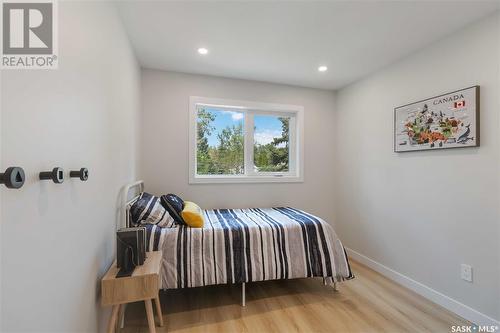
[{"x": 439, "y": 153}]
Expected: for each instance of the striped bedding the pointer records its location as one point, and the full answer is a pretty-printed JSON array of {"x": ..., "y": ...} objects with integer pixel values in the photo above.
[{"x": 244, "y": 245}]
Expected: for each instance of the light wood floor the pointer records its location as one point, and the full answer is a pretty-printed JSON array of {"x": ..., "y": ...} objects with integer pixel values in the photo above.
[{"x": 369, "y": 303}]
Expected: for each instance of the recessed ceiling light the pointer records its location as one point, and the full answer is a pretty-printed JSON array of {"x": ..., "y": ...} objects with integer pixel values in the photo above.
[
  {"x": 322, "y": 69},
  {"x": 202, "y": 50}
]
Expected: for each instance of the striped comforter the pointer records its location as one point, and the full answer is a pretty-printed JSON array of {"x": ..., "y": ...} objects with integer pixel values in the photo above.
[{"x": 244, "y": 245}]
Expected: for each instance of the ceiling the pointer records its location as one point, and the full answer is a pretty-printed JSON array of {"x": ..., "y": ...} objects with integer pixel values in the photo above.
[{"x": 285, "y": 42}]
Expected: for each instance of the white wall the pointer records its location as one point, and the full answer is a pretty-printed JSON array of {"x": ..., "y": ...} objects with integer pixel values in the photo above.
[
  {"x": 58, "y": 240},
  {"x": 422, "y": 214},
  {"x": 1, "y": 200},
  {"x": 164, "y": 146}
]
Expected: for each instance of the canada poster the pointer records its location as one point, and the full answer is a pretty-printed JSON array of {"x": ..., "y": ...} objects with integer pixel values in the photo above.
[{"x": 446, "y": 121}]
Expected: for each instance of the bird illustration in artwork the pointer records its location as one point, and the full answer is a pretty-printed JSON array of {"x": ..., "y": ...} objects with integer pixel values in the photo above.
[{"x": 465, "y": 136}]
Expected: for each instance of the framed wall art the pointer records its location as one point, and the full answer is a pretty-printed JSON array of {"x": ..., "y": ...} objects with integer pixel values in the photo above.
[{"x": 445, "y": 121}]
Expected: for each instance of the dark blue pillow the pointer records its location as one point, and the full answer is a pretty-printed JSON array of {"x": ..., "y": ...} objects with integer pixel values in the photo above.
[{"x": 174, "y": 205}]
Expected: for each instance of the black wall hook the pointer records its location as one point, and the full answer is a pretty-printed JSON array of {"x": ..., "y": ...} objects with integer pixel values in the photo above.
[
  {"x": 13, "y": 177},
  {"x": 83, "y": 174},
  {"x": 56, "y": 175}
]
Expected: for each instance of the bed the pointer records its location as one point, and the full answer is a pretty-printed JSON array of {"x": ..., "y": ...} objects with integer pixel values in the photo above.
[{"x": 237, "y": 246}]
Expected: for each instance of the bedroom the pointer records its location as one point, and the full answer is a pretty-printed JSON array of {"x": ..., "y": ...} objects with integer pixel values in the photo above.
[{"x": 245, "y": 109}]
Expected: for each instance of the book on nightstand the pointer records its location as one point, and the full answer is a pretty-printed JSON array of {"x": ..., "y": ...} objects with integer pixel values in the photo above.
[{"x": 130, "y": 249}]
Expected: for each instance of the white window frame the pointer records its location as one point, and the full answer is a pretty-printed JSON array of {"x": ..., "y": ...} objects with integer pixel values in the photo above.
[{"x": 296, "y": 145}]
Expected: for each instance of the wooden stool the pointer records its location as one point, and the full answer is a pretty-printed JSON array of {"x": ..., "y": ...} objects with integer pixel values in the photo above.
[{"x": 142, "y": 285}]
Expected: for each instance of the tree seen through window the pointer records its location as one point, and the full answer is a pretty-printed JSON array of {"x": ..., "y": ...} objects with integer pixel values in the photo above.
[{"x": 221, "y": 140}]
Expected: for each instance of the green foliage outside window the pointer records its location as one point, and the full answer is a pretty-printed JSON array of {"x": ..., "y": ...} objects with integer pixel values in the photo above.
[
  {"x": 227, "y": 156},
  {"x": 273, "y": 157}
]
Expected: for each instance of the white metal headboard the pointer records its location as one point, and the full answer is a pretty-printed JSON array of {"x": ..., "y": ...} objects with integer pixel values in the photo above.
[{"x": 127, "y": 200}]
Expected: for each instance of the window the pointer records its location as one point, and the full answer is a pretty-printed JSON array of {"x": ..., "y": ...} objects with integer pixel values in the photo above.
[
  {"x": 219, "y": 142},
  {"x": 271, "y": 143},
  {"x": 238, "y": 141}
]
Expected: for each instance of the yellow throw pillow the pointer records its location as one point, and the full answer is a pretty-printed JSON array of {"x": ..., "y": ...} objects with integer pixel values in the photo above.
[{"x": 192, "y": 215}]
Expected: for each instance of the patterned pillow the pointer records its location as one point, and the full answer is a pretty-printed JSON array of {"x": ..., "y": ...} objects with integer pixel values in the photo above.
[
  {"x": 174, "y": 205},
  {"x": 148, "y": 210}
]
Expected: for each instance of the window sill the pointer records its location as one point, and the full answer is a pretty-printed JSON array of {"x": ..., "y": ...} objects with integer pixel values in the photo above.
[{"x": 244, "y": 179}]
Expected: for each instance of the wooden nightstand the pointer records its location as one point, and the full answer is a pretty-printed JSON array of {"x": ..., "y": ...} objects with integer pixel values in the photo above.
[{"x": 143, "y": 285}]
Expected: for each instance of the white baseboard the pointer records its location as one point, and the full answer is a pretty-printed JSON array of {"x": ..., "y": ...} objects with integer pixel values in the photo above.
[{"x": 446, "y": 302}]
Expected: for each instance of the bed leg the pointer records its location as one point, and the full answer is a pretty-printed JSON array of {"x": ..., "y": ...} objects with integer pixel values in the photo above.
[
  {"x": 335, "y": 288},
  {"x": 243, "y": 300}
]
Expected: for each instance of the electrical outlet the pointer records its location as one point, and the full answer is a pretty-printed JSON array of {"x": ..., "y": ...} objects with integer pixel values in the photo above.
[{"x": 466, "y": 272}]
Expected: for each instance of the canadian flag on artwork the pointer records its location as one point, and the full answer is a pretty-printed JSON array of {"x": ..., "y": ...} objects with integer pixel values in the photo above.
[{"x": 459, "y": 104}]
